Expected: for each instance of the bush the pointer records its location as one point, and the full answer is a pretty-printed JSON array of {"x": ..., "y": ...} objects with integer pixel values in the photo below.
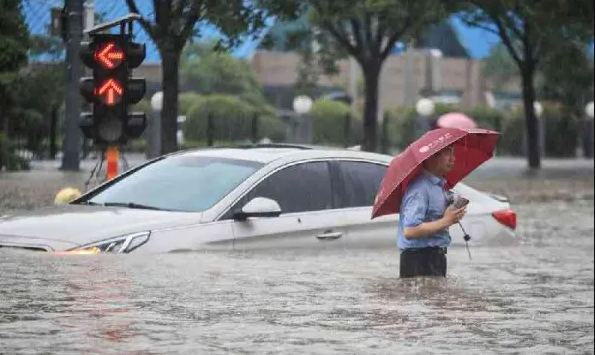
[
  {"x": 232, "y": 118},
  {"x": 512, "y": 138},
  {"x": 9, "y": 160},
  {"x": 328, "y": 123},
  {"x": 401, "y": 126},
  {"x": 562, "y": 132},
  {"x": 488, "y": 118},
  {"x": 187, "y": 100}
]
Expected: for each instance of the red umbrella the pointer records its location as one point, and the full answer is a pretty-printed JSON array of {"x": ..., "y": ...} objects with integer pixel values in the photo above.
[
  {"x": 456, "y": 120},
  {"x": 472, "y": 147}
]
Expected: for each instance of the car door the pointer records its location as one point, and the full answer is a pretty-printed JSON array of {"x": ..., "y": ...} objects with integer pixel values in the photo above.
[
  {"x": 309, "y": 218},
  {"x": 357, "y": 187}
]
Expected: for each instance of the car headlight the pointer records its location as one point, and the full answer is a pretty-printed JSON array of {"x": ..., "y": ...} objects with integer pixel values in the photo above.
[{"x": 119, "y": 245}]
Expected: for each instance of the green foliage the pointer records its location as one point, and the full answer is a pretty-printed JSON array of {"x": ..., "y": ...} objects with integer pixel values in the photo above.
[
  {"x": 562, "y": 128},
  {"x": 499, "y": 67},
  {"x": 170, "y": 24},
  {"x": 401, "y": 126},
  {"x": 187, "y": 100},
  {"x": 216, "y": 72},
  {"x": 569, "y": 87},
  {"x": 562, "y": 131},
  {"x": 366, "y": 30},
  {"x": 232, "y": 120},
  {"x": 14, "y": 36},
  {"x": 512, "y": 139},
  {"x": 328, "y": 122},
  {"x": 206, "y": 71},
  {"x": 8, "y": 160}
]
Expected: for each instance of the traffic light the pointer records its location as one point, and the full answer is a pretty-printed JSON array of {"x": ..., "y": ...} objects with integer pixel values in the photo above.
[{"x": 112, "y": 89}]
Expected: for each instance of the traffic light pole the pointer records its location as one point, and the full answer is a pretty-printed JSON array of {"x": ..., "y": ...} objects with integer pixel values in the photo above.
[
  {"x": 112, "y": 89},
  {"x": 72, "y": 137}
]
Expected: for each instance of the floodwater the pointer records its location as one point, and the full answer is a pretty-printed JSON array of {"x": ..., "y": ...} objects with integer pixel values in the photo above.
[{"x": 533, "y": 298}]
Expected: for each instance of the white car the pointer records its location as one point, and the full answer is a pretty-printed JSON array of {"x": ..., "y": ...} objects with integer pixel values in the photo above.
[{"x": 274, "y": 196}]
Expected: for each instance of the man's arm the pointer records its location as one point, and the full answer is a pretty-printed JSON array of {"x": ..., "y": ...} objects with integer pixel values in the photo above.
[
  {"x": 425, "y": 230},
  {"x": 413, "y": 213}
]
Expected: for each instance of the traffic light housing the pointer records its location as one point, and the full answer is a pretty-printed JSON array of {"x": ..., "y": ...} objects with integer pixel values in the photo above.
[{"x": 112, "y": 89}]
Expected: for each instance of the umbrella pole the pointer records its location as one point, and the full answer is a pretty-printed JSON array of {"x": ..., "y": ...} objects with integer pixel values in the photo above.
[{"x": 467, "y": 238}]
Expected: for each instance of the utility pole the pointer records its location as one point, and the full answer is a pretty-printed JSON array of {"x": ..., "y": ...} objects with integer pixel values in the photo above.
[{"x": 71, "y": 146}]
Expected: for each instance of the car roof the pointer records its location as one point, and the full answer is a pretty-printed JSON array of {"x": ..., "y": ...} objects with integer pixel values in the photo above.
[{"x": 267, "y": 153}]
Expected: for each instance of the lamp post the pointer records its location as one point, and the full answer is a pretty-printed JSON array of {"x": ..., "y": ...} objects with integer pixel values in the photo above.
[
  {"x": 425, "y": 108},
  {"x": 154, "y": 131},
  {"x": 589, "y": 131},
  {"x": 302, "y": 106},
  {"x": 541, "y": 123}
]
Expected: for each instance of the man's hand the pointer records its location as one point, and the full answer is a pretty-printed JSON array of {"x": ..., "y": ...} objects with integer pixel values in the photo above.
[{"x": 454, "y": 215}]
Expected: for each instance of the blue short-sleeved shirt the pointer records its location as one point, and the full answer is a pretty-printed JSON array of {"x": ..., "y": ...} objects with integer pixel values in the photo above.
[{"x": 424, "y": 201}]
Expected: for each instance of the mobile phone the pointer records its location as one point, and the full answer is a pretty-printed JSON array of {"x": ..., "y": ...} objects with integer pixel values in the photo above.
[{"x": 461, "y": 202}]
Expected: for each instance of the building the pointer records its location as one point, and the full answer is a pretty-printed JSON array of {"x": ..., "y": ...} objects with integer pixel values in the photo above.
[{"x": 439, "y": 62}]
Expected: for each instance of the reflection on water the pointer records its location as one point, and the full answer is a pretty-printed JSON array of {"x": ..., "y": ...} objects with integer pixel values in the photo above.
[{"x": 534, "y": 298}]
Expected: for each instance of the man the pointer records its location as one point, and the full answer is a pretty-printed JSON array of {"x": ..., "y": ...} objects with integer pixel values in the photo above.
[{"x": 426, "y": 218}]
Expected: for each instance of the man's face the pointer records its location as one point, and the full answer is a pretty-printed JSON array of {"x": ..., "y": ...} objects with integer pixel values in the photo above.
[{"x": 443, "y": 162}]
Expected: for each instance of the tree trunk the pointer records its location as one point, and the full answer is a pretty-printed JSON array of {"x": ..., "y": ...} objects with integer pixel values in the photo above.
[
  {"x": 372, "y": 81},
  {"x": 53, "y": 133},
  {"x": 532, "y": 126},
  {"x": 169, "y": 114}
]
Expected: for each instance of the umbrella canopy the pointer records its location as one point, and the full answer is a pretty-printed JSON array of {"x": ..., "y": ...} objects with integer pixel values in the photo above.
[
  {"x": 456, "y": 120},
  {"x": 472, "y": 147}
]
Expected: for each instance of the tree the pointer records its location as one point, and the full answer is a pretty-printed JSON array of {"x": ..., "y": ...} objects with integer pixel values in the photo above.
[
  {"x": 528, "y": 29},
  {"x": 368, "y": 31},
  {"x": 499, "y": 67},
  {"x": 14, "y": 40},
  {"x": 573, "y": 87},
  {"x": 172, "y": 24},
  {"x": 207, "y": 71}
]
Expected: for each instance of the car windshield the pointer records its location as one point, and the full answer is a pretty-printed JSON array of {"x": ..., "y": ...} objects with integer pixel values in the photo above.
[{"x": 178, "y": 183}]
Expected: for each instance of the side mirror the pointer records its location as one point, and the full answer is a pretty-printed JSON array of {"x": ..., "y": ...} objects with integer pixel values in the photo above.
[{"x": 259, "y": 207}]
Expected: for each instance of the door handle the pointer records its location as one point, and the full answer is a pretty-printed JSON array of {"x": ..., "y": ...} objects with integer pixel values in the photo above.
[{"x": 329, "y": 235}]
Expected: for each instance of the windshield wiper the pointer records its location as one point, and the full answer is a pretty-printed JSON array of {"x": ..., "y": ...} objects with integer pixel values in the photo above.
[
  {"x": 132, "y": 205},
  {"x": 88, "y": 203}
]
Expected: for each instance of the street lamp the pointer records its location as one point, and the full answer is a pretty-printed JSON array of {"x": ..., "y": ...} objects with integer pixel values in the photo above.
[
  {"x": 154, "y": 131},
  {"x": 538, "y": 108},
  {"x": 425, "y": 108},
  {"x": 157, "y": 101},
  {"x": 588, "y": 139},
  {"x": 302, "y": 105},
  {"x": 590, "y": 110}
]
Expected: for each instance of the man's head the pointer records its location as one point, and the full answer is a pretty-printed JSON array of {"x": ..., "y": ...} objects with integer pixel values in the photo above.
[{"x": 442, "y": 162}]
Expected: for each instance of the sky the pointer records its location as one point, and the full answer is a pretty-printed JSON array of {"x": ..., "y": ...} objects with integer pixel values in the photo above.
[{"x": 37, "y": 14}]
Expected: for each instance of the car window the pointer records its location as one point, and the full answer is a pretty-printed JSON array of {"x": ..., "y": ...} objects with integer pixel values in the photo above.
[
  {"x": 180, "y": 183},
  {"x": 361, "y": 182},
  {"x": 299, "y": 188}
]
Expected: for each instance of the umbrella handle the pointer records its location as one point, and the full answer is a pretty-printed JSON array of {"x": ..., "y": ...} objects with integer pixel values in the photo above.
[{"x": 467, "y": 238}]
